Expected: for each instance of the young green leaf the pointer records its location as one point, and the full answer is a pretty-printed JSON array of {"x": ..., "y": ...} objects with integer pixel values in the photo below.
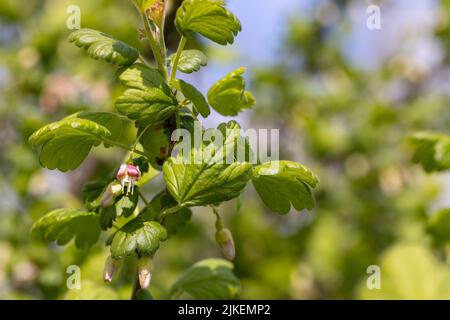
[
  {"x": 209, "y": 18},
  {"x": 115, "y": 123},
  {"x": 432, "y": 151},
  {"x": 66, "y": 143},
  {"x": 228, "y": 96},
  {"x": 101, "y": 46},
  {"x": 62, "y": 225},
  {"x": 143, "y": 237},
  {"x": 210, "y": 279},
  {"x": 282, "y": 183},
  {"x": 196, "y": 97},
  {"x": 148, "y": 99},
  {"x": 140, "y": 77},
  {"x": 213, "y": 179},
  {"x": 127, "y": 203},
  {"x": 146, "y": 107},
  {"x": 199, "y": 185},
  {"x": 190, "y": 61}
]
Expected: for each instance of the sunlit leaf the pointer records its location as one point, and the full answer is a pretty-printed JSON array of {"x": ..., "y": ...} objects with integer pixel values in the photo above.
[
  {"x": 209, "y": 18},
  {"x": 66, "y": 143},
  {"x": 115, "y": 123},
  {"x": 148, "y": 99},
  {"x": 101, "y": 46},
  {"x": 137, "y": 236},
  {"x": 126, "y": 204},
  {"x": 144, "y": 5},
  {"x": 213, "y": 180},
  {"x": 62, "y": 225},
  {"x": 228, "y": 96},
  {"x": 282, "y": 183},
  {"x": 190, "y": 61},
  {"x": 196, "y": 97},
  {"x": 208, "y": 279}
]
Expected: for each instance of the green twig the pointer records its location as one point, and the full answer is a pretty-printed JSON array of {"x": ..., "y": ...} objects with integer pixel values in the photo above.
[
  {"x": 177, "y": 58},
  {"x": 124, "y": 146},
  {"x": 154, "y": 46},
  {"x": 136, "y": 286},
  {"x": 162, "y": 41},
  {"x": 219, "y": 223},
  {"x": 137, "y": 141},
  {"x": 115, "y": 225}
]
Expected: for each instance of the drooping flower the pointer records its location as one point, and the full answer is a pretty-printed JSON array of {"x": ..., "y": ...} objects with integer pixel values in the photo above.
[
  {"x": 225, "y": 240},
  {"x": 145, "y": 265},
  {"x": 128, "y": 175},
  {"x": 110, "y": 269},
  {"x": 108, "y": 197}
]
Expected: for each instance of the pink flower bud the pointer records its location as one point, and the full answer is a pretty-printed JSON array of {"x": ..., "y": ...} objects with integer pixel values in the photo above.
[
  {"x": 145, "y": 265},
  {"x": 112, "y": 191},
  {"x": 111, "y": 267},
  {"x": 225, "y": 240}
]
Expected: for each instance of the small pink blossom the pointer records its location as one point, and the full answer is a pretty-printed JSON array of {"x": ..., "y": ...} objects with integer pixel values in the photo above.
[{"x": 128, "y": 175}]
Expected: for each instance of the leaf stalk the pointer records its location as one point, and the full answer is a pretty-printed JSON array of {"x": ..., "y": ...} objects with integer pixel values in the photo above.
[{"x": 180, "y": 49}]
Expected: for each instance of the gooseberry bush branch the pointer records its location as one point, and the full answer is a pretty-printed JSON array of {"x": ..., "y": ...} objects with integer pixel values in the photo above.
[{"x": 155, "y": 104}]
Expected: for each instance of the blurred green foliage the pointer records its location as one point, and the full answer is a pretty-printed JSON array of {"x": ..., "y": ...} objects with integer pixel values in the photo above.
[{"x": 373, "y": 203}]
